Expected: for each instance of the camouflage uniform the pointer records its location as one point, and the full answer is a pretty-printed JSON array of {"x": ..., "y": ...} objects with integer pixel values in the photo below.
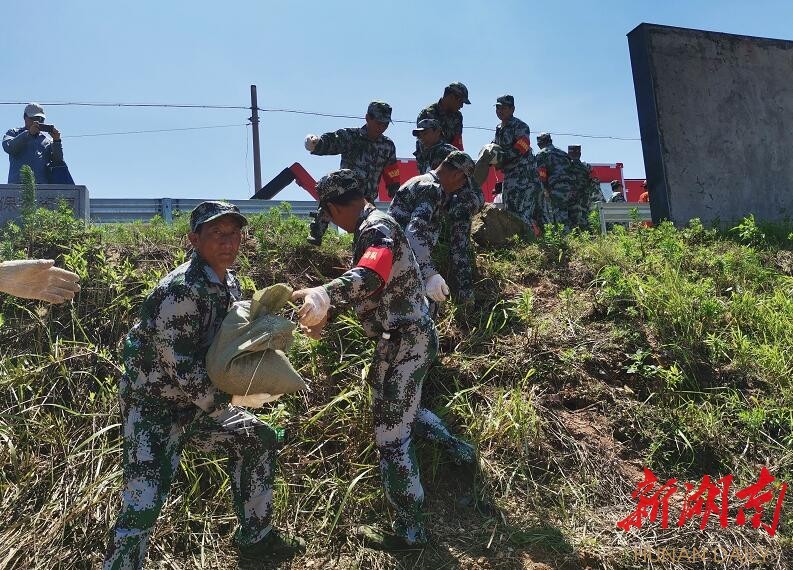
[
  {"x": 429, "y": 158},
  {"x": 521, "y": 187},
  {"x": 368, "y": 158},
  {"x": 586, "y": 186},
  {"x": 396, "y": 313},
  {"x": 418, "y": 206},
  {"x": 553, "y": 168},
  {"x": 168, "y": 400},
  {"x": 461, "y": 207},
  {"x": 451, "y": 124}
]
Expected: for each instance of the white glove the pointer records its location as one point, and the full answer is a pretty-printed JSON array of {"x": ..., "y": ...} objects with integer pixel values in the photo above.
[
  {"x": 437, "y": 289},
  {"x": 311, "y": 142},
  {"x": 38, "y": 279},
  {"x": 253, "y": 400},
  {"x": 316, "y": 304}
]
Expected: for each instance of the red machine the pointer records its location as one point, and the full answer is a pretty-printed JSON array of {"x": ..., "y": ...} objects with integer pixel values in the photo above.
[{"x": 408, "y": 169}]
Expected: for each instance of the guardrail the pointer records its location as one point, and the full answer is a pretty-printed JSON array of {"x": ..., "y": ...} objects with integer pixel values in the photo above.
[
  {"x": 124, "y": 210},
  {"x": 622, "y": 213}
]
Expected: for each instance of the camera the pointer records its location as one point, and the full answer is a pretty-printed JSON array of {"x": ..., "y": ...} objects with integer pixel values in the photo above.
[
  {"x": 318, "y": 227},
  {"x": 45, "y": 128}
]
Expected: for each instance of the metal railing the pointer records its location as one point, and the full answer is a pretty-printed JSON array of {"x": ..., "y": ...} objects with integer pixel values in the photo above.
[
  {"x": 622, "y": 213},
  {"x": 124, "y": 210}
]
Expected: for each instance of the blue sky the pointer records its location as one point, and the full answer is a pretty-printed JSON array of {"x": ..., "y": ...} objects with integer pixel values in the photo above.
[{"x": 566, "y": 63}]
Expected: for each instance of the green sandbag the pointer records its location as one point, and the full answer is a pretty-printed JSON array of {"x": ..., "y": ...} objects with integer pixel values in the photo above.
[
  {"x": 248, "y": 353},
  {"x": 494, "y": 226}
]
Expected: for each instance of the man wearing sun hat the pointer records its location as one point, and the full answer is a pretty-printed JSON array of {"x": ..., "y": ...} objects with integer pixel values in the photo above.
[
  {"x": 366, "y": 150},
  {"x": 167, "y": 399},
  {"x": 33, "y": 146}
]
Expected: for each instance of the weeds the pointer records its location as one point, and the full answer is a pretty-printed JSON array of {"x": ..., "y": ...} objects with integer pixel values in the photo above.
[{"x": 648, "y": 346}]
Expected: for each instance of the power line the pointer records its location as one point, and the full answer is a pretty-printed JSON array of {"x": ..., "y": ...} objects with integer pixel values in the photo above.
[
  {"x": 98, "y": 104},
  {"x": 155, "y": 131},
  {"x": 274, "y": 110}
]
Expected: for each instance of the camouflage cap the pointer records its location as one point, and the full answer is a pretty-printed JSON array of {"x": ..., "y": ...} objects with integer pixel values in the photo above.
[
  {"x": 337, "y": 183},
  {"x": 574, "y": 148},
  {"x": 425, "y": 124},
  {"x": 507, "y": 100},
  {"x": 544, "y": 138},
  {"x": 615, "y": 183},
  {"x": 379, "y": 111},
  {"x": 459, "y": 89},
  {"x": 461, "y": 161},
  {"x": 208, "y": 211}
]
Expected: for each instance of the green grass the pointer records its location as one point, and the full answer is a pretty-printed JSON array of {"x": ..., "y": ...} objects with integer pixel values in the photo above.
[{"x": 585, "y": 358}]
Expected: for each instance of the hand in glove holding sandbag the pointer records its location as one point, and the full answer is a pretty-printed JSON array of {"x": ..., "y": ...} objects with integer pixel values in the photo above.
[
  {"x": 314, "y": 332},
  {"x": 253, "y": 400},
  {"x": 311, "y": 142},
  {"x": 316, "y": 304},
  {"x": 437, "y": 289},
  {"x": 38, "y": 279}
]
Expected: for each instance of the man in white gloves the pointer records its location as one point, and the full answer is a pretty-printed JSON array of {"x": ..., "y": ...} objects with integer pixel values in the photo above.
[
  {"x": 167, "y": 399},
  {"x": 384, "y": 287},
  {"x": 38, "y": 279},
  {"x": 418, "y": 207}
]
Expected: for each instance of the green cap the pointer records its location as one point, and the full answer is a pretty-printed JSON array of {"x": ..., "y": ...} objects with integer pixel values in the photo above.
[
  {"x": 508, "y": 100},
  {"x": 460, "y": 90},
  {"x": 337, "y": 183},
  {"x": 379, "y": 111},
  {"x": 208, "y": 211},
  {"x": 461, "y": 161}
]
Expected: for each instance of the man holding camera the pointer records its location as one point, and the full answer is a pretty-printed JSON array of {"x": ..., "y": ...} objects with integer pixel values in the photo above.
[{"x": 36, "y": 144}]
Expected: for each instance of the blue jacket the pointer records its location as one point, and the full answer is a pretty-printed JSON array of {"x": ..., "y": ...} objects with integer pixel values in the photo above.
[{"x": 37, "y": 152}]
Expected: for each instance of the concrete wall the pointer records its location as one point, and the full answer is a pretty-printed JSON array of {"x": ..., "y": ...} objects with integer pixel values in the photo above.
[
  {"x": 47, "y": 196},
  {"x": 716, "y": 120}
]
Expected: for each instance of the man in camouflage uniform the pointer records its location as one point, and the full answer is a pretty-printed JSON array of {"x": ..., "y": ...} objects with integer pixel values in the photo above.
[
  {"x": 521, "y": 187},
  {"x": 553, "y": 169},
  {"x": 365, "y": 151},
  {"x": 386, "y": 289},
  {"x": 431, "y": 150},
  {"x": 586, "y": 185},
  {"x": 460, "y": 210},
  {"x": 447, "y": 112},
  {"x": 168, "y": 400},
  {"x": 418, "y": 207},
  {"x": 617, "y": 194}
]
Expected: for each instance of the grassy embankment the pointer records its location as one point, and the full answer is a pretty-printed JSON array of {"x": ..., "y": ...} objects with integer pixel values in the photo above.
[{"x": 585, "y": 360}]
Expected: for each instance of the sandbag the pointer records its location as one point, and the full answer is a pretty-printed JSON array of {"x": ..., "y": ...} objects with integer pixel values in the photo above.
[
  {"x": 488, "y": 155},
  {"x": 248, "y": 354},
  {"x": 494, "y": 226}
]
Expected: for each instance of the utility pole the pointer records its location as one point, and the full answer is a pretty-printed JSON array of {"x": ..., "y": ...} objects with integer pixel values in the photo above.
[{"x": 257, "y": 166}]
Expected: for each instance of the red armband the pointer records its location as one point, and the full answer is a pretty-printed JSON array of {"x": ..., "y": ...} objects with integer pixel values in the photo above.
[
  {"x": 391, "y": 173},
  {"x": 543, "y": 172},
  {"x": 379, "y": 260},
  {"x": 458, "y": 142},
  {"x": 522, "y": 145}
]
